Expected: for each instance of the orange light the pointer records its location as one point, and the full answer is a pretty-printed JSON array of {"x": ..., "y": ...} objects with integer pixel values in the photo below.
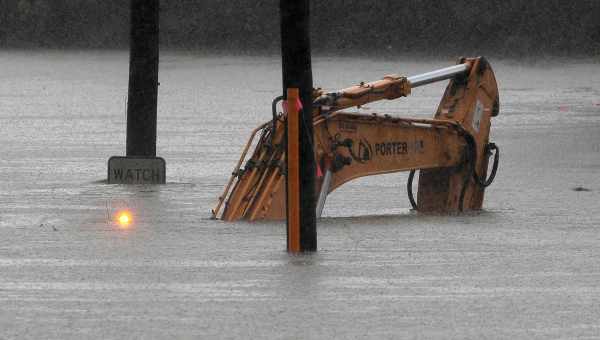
[{"x": 124, "y": 219}]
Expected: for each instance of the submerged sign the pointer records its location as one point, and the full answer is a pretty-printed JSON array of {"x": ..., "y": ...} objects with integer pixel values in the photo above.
[{"x": 136, "y": 170}]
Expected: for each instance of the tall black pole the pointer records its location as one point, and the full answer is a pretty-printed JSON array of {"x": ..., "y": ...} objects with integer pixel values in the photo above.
[
  {"x": 141, "y": 166},
  {"x": 297, "y": 73},
  {"x": 143, "y": 79}
]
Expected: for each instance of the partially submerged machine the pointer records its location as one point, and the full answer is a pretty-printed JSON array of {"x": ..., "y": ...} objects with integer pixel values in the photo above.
[{"x": 451, "y": 150}]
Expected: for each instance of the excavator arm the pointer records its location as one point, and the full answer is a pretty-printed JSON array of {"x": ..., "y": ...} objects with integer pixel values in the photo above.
[{"x": 451, "y": 150}]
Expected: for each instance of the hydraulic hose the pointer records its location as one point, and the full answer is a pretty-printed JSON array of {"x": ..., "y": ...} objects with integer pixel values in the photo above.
[
  {"x": 409, "y": 184},
  {"x": 483, "y": 182},
  {"x": 274, "y": 112},
  {"x": 488, "y": 150}
]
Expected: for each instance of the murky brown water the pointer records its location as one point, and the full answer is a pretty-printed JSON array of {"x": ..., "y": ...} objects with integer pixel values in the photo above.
[{"x": 526, "y": 267}]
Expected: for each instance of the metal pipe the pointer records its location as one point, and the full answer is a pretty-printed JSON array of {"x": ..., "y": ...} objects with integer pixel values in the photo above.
[
  {"x": 323, "y": 193},
  {"x": 438, "y": 75}
]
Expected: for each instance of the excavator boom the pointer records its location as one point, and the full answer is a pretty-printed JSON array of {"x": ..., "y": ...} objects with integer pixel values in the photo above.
[{"x": 451, "y": 150}]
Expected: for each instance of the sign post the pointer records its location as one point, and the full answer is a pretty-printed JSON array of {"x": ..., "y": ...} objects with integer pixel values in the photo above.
[{"x": 141, "y": 166}]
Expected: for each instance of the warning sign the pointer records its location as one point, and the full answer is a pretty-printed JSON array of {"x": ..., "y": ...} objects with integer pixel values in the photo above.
[{"x": 136, "y": 170}]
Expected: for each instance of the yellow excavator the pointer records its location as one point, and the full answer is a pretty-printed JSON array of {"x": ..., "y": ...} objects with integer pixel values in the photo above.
[{"x": 451, "y": 151}]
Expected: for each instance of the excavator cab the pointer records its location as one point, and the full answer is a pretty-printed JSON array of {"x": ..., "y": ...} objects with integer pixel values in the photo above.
[{"x": 451, "y": 150}]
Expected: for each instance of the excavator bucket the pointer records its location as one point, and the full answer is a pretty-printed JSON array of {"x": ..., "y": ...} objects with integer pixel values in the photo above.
[
  {"x": 451, "y": 150},
  {"x": 472, "y": 100}
]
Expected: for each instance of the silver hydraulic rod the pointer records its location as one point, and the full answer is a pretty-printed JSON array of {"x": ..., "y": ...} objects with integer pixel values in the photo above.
[
  {"x": 437, "y": 75},
  {"x": 338, "y": 100},
  {"x": 323, "y": 193}
]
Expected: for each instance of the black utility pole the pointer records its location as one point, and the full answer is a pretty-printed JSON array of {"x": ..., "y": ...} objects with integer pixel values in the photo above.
[
  {"x": 143, "y": 79},
  {"x": 297, "y": 73},
  {"x": 141, "y": 166}
]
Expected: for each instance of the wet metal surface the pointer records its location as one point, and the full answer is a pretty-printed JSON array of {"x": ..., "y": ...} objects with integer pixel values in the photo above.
[{"x": 527, "y": 267}]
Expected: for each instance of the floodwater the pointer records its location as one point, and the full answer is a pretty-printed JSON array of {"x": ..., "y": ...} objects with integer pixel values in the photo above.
[{"x": 527, "y": 267}]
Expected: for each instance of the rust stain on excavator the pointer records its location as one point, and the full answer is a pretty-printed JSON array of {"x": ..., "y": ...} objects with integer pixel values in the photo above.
[{"x": 450, "y": 150}]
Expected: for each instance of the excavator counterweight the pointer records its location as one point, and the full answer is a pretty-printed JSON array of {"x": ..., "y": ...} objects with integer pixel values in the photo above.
[{"x": 451, "y": 150}]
